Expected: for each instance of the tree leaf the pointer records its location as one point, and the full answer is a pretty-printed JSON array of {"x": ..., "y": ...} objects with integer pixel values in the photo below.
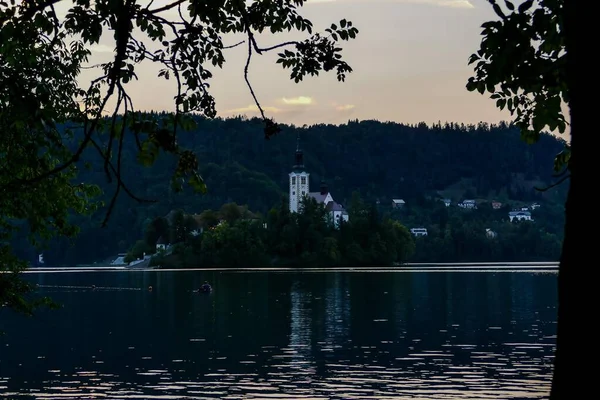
[{"x": 525, "y": 6}]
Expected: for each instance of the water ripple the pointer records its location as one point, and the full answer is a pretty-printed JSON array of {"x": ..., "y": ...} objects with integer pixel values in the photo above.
[{"x": 514, "y": 375}]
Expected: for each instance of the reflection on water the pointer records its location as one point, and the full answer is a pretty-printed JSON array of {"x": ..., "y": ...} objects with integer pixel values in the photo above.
[{"x": 290, "y": 335}]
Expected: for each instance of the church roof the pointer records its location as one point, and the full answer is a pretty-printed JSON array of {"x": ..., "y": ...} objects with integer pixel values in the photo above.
[
  {"x": 320, "y": 198},
  {"x": 333, "y": 206}
]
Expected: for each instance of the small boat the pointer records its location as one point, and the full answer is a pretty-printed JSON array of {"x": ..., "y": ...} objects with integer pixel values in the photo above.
[{"x": 205, "y": 288}]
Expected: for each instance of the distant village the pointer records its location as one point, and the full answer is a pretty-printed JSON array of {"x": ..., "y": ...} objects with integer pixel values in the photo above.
[{"x": 521, "y": 214}]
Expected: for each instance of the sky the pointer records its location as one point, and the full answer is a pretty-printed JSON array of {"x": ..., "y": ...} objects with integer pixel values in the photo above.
[{"x": 409, "y": 61}]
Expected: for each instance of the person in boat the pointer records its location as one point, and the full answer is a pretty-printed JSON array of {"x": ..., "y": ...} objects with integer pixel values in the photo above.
[{"x": 205, "y": 288}]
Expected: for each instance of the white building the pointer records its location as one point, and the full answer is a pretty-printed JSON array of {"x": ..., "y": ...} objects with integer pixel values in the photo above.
[
  {"x": 447, "y": 202},
  {"x": 469, "y": 204},
  {"x": 490, "y": 233},
  {"x": 162, "y": 244},
  {"x": 419, "y": 231},
  {"x": 520, "y": 216},
  {"x": 300, "y": 188}
]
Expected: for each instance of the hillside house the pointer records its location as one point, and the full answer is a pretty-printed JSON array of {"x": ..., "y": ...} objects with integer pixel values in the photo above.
[
  {"x": 468, "y": 204},
  {"x": 447, "y": 202},
  {"x": 419, "y": 231},
  {"x": 496, "y": 205},
  {"x": 162, "y": 244},
  {"x": 519, "y": 216},
  {"x": 398, "y": 203}
]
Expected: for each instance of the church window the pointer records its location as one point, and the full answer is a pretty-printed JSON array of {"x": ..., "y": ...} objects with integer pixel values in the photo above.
[
  {"x": 303, "y": 180},
  {"x": 293, "y": 180},
  {"x": 293, "y": 193}
]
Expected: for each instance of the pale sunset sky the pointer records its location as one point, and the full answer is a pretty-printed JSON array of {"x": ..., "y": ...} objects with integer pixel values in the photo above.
[{"x": 409, "y": 61}]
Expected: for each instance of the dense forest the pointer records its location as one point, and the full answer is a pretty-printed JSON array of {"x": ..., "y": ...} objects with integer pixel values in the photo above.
[{"x": 381, "y": 161}]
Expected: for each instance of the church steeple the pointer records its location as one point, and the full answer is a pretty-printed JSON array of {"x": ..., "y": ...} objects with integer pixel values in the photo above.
[
  {"x": 299, "y": 180},
  {"x": 299, "y": 160},
  {"x": 323, "y": 188}
]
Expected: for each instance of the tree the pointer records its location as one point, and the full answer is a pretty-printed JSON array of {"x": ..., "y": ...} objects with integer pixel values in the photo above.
[
  {"x": 230, "y": 212},
  {"x": 402, "y": 240},
  {"x": 28, "y": 114},
  {"x": 208, "y": 219},
  {"x": 139, "y": 250},
  {"x": 157, "y": 228},
  {"x": 527, "y": 60},
  {"x": 181, "y": 226},
  {"x": 41, "y": 56}
]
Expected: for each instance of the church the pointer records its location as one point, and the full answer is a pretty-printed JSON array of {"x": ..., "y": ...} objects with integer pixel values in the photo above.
[{"x": 300, "y": 187}]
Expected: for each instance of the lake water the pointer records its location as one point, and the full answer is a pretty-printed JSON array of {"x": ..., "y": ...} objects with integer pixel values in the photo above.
[{"x": 314, "y": 335}]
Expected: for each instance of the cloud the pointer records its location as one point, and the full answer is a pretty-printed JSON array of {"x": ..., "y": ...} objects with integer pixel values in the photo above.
[
  {"x": 289, "y": 106},
  {"x": 455, "y": 3},
  {"x": 101, "y": 48},
  {"x": 345, "y": 107},
  {"x": 252, "y": 108},
  {"x": 298, "y": 101}
]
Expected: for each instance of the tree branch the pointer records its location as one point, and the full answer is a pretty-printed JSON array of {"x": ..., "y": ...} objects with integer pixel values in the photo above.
[
  {"x": 234, "y": 45},
  {"x": 277, "y": 46},
  {"x": 56, "y": 21},
  {"x": 91, "y": 66},
  {"x": 122, "y": 136},
  {"x": 166, "y": 7},
  {"x": 119, "y": 180},
  {"x": 561, "y": 180},
  {"x": 111, "y": 136},
  {"x": 246, "y": 67},
  {"x": 32, "y": 9},
  {"x": 75, "y": 157}
]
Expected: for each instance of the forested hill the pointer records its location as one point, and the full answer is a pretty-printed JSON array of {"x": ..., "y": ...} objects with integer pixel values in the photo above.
[{"x": 380, "y": 160}]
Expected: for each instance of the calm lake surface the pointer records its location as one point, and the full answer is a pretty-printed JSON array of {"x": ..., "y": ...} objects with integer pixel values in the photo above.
[{"x": 316, "y": 335}]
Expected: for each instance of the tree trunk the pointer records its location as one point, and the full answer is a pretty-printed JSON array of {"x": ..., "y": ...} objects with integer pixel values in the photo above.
[{"x": 573, "y": 246}]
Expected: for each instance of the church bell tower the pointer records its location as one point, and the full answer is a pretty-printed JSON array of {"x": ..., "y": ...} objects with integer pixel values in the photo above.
[{"x": 299, "y": 184}]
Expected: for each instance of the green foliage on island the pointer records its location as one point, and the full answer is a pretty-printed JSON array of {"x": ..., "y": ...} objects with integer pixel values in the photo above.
[{"x": 231, "y": 238}]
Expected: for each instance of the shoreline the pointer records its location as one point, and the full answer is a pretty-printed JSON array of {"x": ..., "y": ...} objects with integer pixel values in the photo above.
[{"x": 550, "y": 266}]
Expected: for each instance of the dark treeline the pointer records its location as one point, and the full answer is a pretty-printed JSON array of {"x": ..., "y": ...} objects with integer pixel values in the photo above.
[{"x": 381, "y": 161}]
